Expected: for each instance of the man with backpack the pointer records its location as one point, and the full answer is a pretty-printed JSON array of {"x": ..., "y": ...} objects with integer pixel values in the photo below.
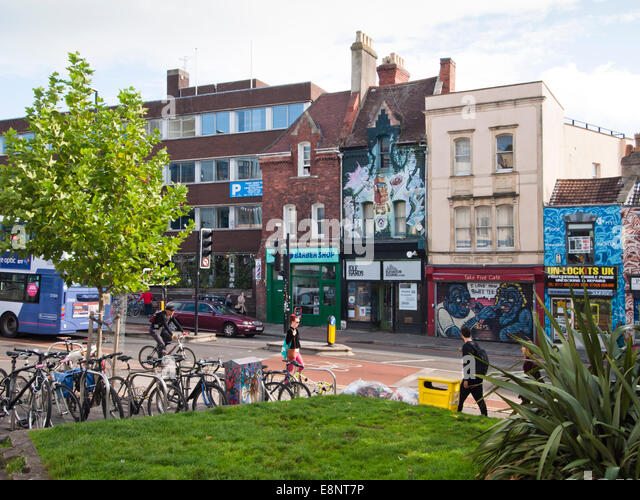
[
  {"x": 162, "y": 321},
  {"x": 474, "y": 362}
]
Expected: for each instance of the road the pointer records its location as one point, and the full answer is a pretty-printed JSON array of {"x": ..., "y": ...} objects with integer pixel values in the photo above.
[{"x": 394, "y": 366}]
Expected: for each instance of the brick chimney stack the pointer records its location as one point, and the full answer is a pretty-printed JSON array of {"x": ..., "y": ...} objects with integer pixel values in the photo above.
[
  {"x": 637, "y": 138},
  {"x": 176, "y": 79},
  {"x": 363, "y": 64},
  {"x": 447, "y": 75},
  {"x": 392, "y": 70}
]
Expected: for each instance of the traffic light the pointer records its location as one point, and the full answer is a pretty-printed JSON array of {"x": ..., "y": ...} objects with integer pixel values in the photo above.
[
  {"x": 206, "y": 242},
  {"x": 276, "y": 255}
]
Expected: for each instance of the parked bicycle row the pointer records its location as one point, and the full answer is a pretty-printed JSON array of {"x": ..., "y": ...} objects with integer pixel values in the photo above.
[{"x": 64, "y": 385}]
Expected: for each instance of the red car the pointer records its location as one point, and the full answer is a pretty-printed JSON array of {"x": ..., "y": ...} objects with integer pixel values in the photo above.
[{"x": 215, "y": 317}]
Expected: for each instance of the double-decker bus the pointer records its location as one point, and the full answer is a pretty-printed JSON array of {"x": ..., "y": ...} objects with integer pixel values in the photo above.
[{"x": 34, "y": 299}]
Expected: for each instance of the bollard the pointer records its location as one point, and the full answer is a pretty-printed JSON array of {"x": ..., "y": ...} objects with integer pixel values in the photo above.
[{"x": 331, "y": 331}]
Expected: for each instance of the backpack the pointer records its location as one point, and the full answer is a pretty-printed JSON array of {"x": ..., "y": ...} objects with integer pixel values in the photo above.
[
  {"x": 155, "y": 319},
  {"x": 482, "y": 361}
]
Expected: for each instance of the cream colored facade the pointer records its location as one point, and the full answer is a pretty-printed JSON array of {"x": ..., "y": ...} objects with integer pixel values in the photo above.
[{"x": 480, "y": 211}]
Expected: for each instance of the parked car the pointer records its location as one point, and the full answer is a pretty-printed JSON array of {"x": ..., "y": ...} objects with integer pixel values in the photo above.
[{"x": 215, "y": 317}]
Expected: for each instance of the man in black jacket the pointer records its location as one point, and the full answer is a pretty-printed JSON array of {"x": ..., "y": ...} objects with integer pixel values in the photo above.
[
  {"x": 470, "y": 384},
  {"x": 162, "y": 320}
]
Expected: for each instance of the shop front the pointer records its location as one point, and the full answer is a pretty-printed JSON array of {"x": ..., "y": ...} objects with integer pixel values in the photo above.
[
  {"x": 498, "y": 304},
  {"x": 384, "y": 295},
  {"x": 601, "y": 283},
  {"x": 314, "y": 286}
]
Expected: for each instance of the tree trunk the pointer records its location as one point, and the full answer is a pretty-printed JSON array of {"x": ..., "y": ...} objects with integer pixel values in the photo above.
[{"x": 100, "y": 319}]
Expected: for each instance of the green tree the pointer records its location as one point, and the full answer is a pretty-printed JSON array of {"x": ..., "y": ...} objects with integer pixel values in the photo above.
[{"x": 89, "y": 187}]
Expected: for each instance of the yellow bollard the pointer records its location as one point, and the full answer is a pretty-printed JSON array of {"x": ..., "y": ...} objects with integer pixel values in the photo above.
[{"x": 331, "y": 331}]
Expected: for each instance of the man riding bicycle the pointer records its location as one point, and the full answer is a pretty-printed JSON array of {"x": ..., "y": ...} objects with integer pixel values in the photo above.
[{"x": 163, "y": 335}]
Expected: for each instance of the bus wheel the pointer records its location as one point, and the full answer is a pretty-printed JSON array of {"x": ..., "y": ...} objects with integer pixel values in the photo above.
[{"x": 9, "y": 325}]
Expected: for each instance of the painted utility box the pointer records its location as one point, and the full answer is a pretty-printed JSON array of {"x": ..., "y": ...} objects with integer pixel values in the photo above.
[{"x": 243, "y": 380}]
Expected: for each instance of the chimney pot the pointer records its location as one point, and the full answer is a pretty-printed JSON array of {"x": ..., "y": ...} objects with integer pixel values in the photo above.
[
  {"x": 363, "y": 64},
  {"x": 447, "y": 75}
]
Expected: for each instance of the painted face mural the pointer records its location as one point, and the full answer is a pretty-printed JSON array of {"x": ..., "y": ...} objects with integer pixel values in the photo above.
[{"x": 494, "y": 311}]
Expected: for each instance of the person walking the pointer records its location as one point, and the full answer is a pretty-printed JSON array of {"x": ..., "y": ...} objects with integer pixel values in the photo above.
[
  {"x": 293, "y": 343},
  {"x": 470, "y": 384},
  {"x": 240, "y": 304},
  {"x": 147, "y": 300},
  {"x": 228, "y": 301}
]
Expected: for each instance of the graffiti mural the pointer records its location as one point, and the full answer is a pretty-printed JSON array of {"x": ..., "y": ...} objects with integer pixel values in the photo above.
[
  {"x": 631, "y": 258},
  {"x": 385, "y": 182},
  {"x": 607, "y": 251},
  {"x": 493, "y": 311}
]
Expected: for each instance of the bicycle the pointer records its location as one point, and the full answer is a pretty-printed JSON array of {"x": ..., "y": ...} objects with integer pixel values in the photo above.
[
  {"x": 140, "y": 399},
  {"x": 275, "y": 390},
  {"x": 149, "y": 353},
  {"x": 94, "y": 387},
  {"x": 37, "y": 391},
  {"x": 74, "y": 350},
  {"x": 64, "y": 400},
  {"x": 207, "y": 392}
]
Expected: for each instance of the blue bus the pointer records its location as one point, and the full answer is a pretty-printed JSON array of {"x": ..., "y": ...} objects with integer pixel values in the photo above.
[{"x": 34, "y": 299}]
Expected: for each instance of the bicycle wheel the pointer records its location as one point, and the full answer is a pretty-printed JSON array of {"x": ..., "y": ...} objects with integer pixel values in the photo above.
[
  {"x": 190, "y": 357},
  {"x": 119, "y": 385},
  {"x": 285, "y": 393},
  {"x": 146, "y": 354},
  {"x": 272, "y": 391},
  {"x": 40, "y": 405},
  {"x": 115, "y": 405},
  {"x": 299, "y": 390},
  {"x": 20, "y": 412},
  {"x": 175, "y": 400},
  {"x": 66, "y": 406},
  {"x": 3, "y": 378},
  {"x": 210, "y": 396}
]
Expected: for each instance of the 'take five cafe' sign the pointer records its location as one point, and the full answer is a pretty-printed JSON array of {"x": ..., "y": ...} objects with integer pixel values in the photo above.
[{"x": 604, "y": 278}]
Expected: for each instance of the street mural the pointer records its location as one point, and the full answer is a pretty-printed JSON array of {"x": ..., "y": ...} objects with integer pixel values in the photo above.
[
  {"x": 493, "y": 310},
  {"x": 608, "y": 235},
  {"x": 365, "y": 181},
  {"x": 631, "y": 258}
]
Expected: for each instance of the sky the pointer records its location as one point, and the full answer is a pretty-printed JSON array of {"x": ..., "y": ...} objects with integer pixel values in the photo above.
[{"x": 586, "y": 51}]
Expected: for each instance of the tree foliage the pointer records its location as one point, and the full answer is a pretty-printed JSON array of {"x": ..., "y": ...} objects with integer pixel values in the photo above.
[{"x": 89, "y": 186}]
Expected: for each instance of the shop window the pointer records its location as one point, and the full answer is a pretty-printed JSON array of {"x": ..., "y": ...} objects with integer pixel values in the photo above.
[
  {"x": 306, "y": 294},
  {"x": 359, "y": 302},
  {"x": 462, "y": 222},
  {"x": 329, "y": 295}
]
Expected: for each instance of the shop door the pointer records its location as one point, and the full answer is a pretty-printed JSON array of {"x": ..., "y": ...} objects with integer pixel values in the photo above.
[
  {"x": 386, "y": 298},
  {"x": 558, "y": 309},
  {"x": 275, "y": 297}
]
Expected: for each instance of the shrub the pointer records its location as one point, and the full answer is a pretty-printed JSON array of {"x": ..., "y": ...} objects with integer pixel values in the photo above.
[{"x": 582, "y": 419}]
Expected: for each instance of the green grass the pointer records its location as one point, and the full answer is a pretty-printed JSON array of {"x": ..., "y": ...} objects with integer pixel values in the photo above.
[
  {"x": 14, "y": 465},
  {"x": 334, "y": 437}
]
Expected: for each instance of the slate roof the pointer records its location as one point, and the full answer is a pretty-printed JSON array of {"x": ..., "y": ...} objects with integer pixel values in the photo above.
[
  {"x": 599, "y": 191},
  {"x": 406, "y": 103}
]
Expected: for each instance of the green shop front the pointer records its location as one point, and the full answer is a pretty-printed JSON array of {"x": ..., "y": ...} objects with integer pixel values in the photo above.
[{"x": 314, "y": 285}]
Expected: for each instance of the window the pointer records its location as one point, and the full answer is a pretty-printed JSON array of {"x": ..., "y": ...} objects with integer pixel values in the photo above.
[
  {"x": 183, "y": 173},
  {"x": 258, "y": 119},
  {"x": 504, "y": 153},
  {"x": 214, "y": 170},
  {"x": 249, "y": 168},
  {"x": 214, "y": 217},
  {"x": 13, "y": 287},
  {"x": 182, "y": 222},
  {"x": 290, "y": 222},
  {"x": 251, "y": 120},
  {"x": 222, "y": 123},
  {"x": 505, "y": 231},
  {"x": 400, "y": 218},
  {"x": 462, "y": 222},
  {"x": 208, "y": 124},
  {"x": 595, "y": 170},
  {"x": 184, "y": 126},
  {"x": 580, "y": 249},
  {"x": 279, "y": 116},
  {"x": 384, "y": 148},
  {"x": 462, "y": 156},
  {"x": 304, "y": 159},
  {"x": 2, "y": 145},
  {"x": 483, "y": 228},
  {"x": 318, "y": 222},
  {"x": 153, "y": 125},
  {"x": 248, "y": 217},
  {"x": 368, "y": 222}
]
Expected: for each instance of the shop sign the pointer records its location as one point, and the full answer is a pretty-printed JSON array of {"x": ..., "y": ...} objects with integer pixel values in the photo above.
[
  {"x": 599, "y": 280},
  {"x": 325, "y": 255},
  {"x": 635, "y": 283},
  {"x": 400, "y": 270},
  {"x": 408, "y": 296},
  {"x": 363, "y": 271}
]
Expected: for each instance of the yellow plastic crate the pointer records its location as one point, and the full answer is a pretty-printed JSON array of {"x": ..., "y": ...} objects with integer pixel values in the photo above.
[{"x": 441, "y": 397}]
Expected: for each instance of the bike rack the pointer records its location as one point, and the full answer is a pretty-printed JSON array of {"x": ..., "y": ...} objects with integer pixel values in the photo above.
[
  {"x": 163, "y": 385},
  {"x": 105, "y": 379},
  {"x": 335, "y": 384}
]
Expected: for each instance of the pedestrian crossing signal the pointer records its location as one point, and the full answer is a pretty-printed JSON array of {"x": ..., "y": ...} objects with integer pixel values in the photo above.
[{"x": 206, "y": 237}]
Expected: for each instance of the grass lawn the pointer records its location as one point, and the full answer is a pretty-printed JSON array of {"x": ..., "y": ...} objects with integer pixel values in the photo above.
[{"x": 332, "y": 437}]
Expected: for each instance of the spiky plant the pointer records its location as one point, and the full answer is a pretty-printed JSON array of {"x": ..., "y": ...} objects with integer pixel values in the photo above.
[{"x": 582, "y": 420}]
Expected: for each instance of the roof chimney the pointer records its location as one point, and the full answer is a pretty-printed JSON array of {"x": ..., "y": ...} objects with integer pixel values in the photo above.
[
  {"x": 363, "y": 64},
  {"x": 637, "y": 138},
  {"x": 392, "y": 70},
  {"x": 176, "y": 79},
  {"x": 447, "y": 75}
]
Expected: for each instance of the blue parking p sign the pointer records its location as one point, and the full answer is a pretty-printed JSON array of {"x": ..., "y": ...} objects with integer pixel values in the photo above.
[{"x": 245, "y": 189}]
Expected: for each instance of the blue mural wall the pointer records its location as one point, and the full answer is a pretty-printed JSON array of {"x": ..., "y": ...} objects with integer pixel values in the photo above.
[{"x": 607, "y": 248}]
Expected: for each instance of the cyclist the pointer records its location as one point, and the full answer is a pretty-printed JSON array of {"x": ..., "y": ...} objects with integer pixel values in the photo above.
[{"x": 163, "y": 334}]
